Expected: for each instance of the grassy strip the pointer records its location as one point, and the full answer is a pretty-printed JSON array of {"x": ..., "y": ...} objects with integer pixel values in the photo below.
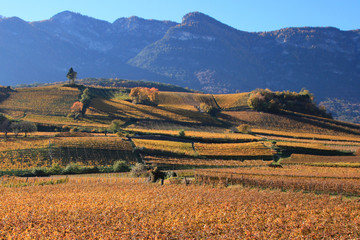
[
  {"x": 72, "y": 168},
  {"x": 17, "y": 182}
]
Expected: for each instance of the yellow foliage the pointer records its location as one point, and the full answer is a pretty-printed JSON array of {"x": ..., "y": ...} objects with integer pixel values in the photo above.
[{"x": 119, "y": 208}]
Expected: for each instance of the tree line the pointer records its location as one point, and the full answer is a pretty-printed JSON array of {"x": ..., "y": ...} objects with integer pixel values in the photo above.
[
  {"x": 265, "y": 100},
  {"x": 16, "y": 127}
]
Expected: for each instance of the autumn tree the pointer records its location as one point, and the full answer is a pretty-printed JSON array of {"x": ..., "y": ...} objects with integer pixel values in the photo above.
[
  {"x": 144, "y": 95},
  {"x": 28, "y": 127},
  {"x": 267, "y": 101},
  {"x": 77, "y": 109},
  {"x": 22, "y": 126},
  {"x": 15, "y": 128}
]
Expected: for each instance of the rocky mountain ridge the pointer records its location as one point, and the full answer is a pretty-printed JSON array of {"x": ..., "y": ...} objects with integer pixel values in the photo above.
[{"x": 200, "y": 52}]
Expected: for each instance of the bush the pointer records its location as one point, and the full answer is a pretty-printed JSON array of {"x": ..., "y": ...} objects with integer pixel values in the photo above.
[
  {"x": 171, "y": 174},
  {"x": 244, "y": 128},
  {"x": 39, "y": 172},
  {"x": 115, "y": 126},
  {"x": 267, "y": 101},
  {"x": 181, "y": 133},
  {"x": 139, "y": 170},
  {"x": 72, "y": 168},
  {"x": 156, "y": 174},
  {"x": 121, "y": 166},
  {"x": 55, "y": 169},
  {"x": 209, "y": 109}
]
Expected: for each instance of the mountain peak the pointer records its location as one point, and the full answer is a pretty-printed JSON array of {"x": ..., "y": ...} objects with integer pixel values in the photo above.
[
  {"x": 68, "y": 17},
  {"x": 65, "y": 15},
  {"x": 197, "y": 17}
]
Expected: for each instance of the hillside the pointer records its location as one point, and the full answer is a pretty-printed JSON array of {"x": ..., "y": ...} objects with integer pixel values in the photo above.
[
  {"x": 175, "y": 133},
  {"x": 200, "y": 53},
  {"x": 50, "y": 105}
]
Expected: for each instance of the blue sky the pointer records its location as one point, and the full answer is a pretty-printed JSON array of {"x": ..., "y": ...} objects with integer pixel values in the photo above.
[{"x": 247, "y": 15}]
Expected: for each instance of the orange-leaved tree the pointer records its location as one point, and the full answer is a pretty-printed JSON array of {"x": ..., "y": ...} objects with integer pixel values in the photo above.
[
  {"x": 144, "y": 95},
  {"x": 77, "y": 108}
]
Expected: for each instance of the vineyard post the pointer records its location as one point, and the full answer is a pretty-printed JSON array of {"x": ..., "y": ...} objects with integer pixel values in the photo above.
[{"x": 50, "y": 153}]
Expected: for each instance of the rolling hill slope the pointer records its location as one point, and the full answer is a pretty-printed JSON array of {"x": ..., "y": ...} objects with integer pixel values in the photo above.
[{"x": 175, "y": 110}]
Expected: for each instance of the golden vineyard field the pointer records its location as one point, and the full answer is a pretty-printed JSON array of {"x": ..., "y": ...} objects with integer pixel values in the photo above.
[
  {"x": 203, "y": 162},
  {"x": 232, "y": 149},
  {"x": 28, "y": 153},
  {"x": 45, "y": 100},
  {"x": 130, "y": 209},
  {"x": 307, "y": 135},
  {"x": 229, "y": 101},
  {"x": 168, "y": 146},
  {"x": 198, "y": 134},
  {"x": 285, "y": 176},
  {"x": 299, "y": 178},
  {"x": 247, "y": 150},
  {"x": 315, "y": 160}
]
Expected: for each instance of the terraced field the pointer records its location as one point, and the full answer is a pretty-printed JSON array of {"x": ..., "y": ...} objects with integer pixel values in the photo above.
[
  {"x": 53, "y": 100},
  {"x": 288, "y": 176},
  {"x": 237, "y": 101},
  {"x": 44, "y": 151}
]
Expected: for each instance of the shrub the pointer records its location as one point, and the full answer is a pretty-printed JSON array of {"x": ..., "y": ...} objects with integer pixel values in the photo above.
[
  {"x": 72, "y": 168},
  {"x": 181, "y": 133},
  {"x": 55, "y": 169},
  {"x": 139, "y": 170},
  {"x": 156, "y": 174},
  {"x": 209, "y": 109},
  {"x": 121, "y": 166},
  {"x": 171, "y": 174},
  {"x": 39, "y": 172},
  {"x": 115, "y": 126},
  {"x": 244, "y": 128}
]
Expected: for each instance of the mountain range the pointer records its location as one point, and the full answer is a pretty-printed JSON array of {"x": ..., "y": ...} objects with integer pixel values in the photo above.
[{"x": 200, "y": 53}]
